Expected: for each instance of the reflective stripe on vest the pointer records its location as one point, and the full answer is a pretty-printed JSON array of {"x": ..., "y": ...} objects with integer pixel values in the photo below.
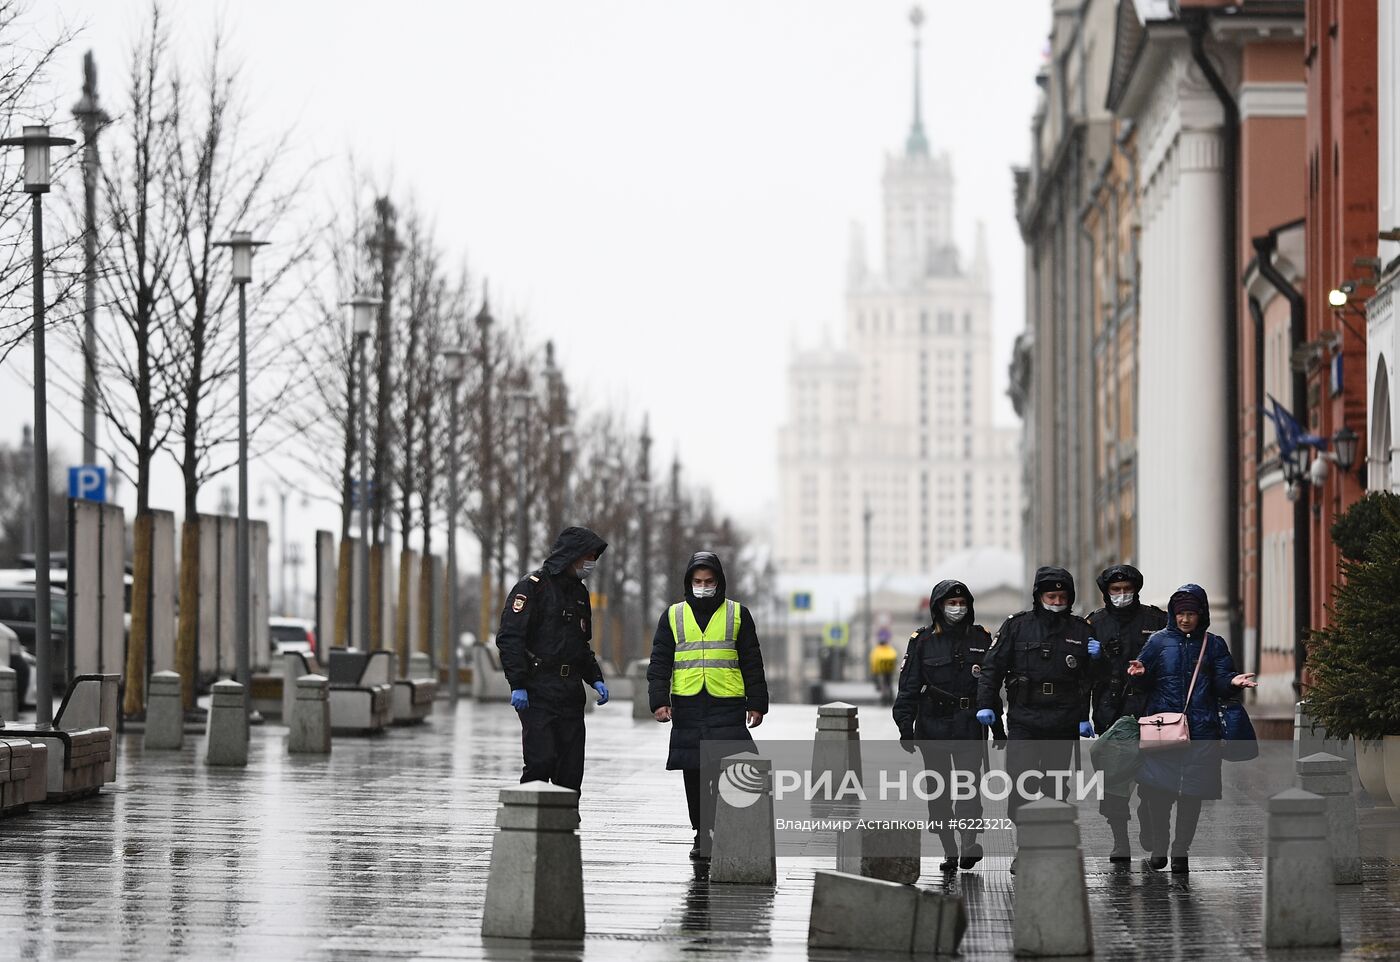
[{"x": 707, "y": 658}]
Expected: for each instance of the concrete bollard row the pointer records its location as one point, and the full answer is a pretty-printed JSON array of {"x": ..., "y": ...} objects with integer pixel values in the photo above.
[
  {"x": 165, "y": 714},
  {"x": 1052, "y": 902},
  {"x": 641, "y": 699},
  {"x": 535, "y": 886},
  {"x": 1298, "y": 912},
  {"x": 227, "y": 737},
  {"x": 745, "y": 846},
  {"x": 1330, "y": 777},
  {"x": 9, "y": 694},
  {"x": 310, "y": 724}
]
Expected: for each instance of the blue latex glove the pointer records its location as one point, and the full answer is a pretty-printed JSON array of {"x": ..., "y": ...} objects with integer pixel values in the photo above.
[
  {"x": 519, "y": 698},
  {"x": 602, "y": 691},
  {"x": 1094, "y": 648},
  {"x": 987, "y": 717},
  {"x": 1086, "y": 730}
]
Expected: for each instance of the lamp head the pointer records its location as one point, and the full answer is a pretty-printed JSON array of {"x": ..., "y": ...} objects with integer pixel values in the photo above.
[
  {"x": 1345, "y": 443},
  {"x": 36, "y": 143},
  {"x": 362, "y": 311},
  {"x": 242, "y": 246},
  {"x": 456, "y": 360}
]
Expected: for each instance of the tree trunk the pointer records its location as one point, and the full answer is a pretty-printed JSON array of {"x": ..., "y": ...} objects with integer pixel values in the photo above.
[
  {"x": 343, "y": 597},
  {"x": 401, "y": 618},
  {"x": 425, "y": 606},
  {"x": 134, "y": 702},
  {"x": 187, "y": 640},
  {"x": 376, "y": 598}
]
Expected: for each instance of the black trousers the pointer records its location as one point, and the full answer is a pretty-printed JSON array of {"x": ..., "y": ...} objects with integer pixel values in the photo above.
[
  {"x": 944, "y": 757},
  {"x": 1159, "y": 817},
  {"x": 552, "y": 734},
  {"x": 699, "y": 799},
  {"x": 1039, "y": 750}
]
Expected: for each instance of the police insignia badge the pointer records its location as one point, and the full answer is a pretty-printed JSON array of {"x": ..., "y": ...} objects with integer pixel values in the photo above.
[
  {"x": 518, "y": 605},
  {"x": 583, "y": 624},
  {"x": 1071, "y": 661},
  {"x": 976, "y": 671}
]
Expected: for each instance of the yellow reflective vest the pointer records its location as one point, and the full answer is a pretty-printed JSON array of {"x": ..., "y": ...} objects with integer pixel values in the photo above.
[{"x": 707, "y": 658}]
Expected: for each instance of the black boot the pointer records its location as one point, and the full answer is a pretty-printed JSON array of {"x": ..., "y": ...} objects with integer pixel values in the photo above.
[
  {"x": 700, "y": 851},
  {"x": 1122, "y": 849},
  {"x": 950, "y": 852},
  {"x": 1157, "y": 862},
  {"x": 971, "y": 851},
  {"x": 1179, "y": 866}
]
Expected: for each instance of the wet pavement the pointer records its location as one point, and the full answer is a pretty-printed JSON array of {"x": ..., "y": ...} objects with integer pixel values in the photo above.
[{"x": 381, "y": 851}]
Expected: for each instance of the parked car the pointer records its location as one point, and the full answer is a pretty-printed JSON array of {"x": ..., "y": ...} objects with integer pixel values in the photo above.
[
  {"x": 23, "y": 664},
  {"x": 17, "y": 613},
  {"x": 292, "y": 634}
]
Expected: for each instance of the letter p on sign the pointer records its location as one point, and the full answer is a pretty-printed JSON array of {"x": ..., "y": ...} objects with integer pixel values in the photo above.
[{"x": 87, "y": 482}]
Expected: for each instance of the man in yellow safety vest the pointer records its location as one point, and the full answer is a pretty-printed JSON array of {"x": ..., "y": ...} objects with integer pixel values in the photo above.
[{"x": 706, "y": 678}]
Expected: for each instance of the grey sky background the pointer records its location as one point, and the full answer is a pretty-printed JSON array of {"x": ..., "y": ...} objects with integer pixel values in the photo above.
[{"x": 664, "y": 188}]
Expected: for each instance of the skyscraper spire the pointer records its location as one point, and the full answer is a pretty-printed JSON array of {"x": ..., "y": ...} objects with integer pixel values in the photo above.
[{"x": 916, "y": 143}]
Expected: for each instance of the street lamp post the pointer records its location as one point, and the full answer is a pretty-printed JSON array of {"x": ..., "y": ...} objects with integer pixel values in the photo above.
[
  {"x": 456, "y": 358},
  {"x": 242, "y": 247},
  {"x": 36, "y": 143},
  {"x": 362, "y": 320}
]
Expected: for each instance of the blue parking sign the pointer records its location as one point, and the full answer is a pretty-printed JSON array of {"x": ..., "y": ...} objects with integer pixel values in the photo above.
[{"x": 87, "y": 482}]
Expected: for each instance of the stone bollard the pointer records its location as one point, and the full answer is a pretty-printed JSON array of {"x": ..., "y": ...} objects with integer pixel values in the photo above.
[
  {"x": 891, "y": 854},
  {"x": 420, "y": 665},
  {"x": 535, "y": 887},
  {"x": 9, "y": 694},
  {"x": 745, "y": 846},
  {"x": 227, "y": 737},
  {"x": 641, "y": 698},
  {"x": 165, "y": 713},
  {"x": 310, "y": 723},
  {"x": 293, "y": 667},
  {"x": 1052, "y": 904},
  {"x": 836, "y": 748},
  {"x": 1330, "y": 776},
  {"x": 873, "y": 915},
  {"x": 1297, "y": 911}
]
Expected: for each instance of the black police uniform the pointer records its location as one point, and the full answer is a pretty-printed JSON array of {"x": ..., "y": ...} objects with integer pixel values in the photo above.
[
  {"x": 1043, "y": 659},
  {"x": 543, "y": 639},
  {"x": 1122, "y": 632},
  {"x": 937, "y": 705}
]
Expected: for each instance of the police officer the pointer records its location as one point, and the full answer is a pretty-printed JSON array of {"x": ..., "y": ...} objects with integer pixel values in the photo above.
[
  {"x": 1043, "y": 656},
  {"x": 543, "y": 639},
  {"x": 937, "y": 705},
  {"x": 706, "y": 678},
  {"x": 1123, "y": 626}
]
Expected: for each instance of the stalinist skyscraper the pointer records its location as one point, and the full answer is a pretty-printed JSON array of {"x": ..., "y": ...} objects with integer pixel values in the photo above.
[{"x": 898, "y": 419}]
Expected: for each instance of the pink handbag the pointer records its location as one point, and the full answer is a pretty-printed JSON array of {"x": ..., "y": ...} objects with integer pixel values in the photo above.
[{"x": 1168, "y": 729}]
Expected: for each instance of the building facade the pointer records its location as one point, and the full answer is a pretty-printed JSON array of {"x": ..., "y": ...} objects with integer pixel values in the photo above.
[
  {"x": 892, "y": 427},
  {"x": 1382, "y": 436}
]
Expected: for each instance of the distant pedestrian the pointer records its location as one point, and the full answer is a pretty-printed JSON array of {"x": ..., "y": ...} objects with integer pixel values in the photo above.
[
  {"x": 544, "y": 640},
  {"x": 936, "y": 708},
  {"x": 1183, "y": 777},
  {"x": 706, "y": 678},
  {"x": 883, "y": 660},
  {"x": 1122, "y": 627}
]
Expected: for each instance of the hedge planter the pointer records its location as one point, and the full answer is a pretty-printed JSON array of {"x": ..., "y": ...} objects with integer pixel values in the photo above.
[{"x": 1370, "y": 768}]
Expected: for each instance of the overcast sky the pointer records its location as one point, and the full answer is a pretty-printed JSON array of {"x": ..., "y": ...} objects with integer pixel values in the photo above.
[{"x": 664, "y": 186}]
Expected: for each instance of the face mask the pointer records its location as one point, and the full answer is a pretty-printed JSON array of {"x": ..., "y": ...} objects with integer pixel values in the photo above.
[
  {"x": 586, "y": 569},
  {"x": 706, "y": 592},
  {"x": 1054, "y": 609},
  {"x": 1121, "y": 601},
  {"x": 954, "y": 613}
]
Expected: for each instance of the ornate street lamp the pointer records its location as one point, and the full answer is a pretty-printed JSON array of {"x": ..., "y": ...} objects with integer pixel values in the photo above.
[
  {"x": 1345, "y": 443},
  {"x": 37, "y": 143}
]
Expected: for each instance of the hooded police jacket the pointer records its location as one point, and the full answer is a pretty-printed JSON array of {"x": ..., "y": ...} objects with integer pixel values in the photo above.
[
  {"x": 1122, "y": 632},
  {"x": 937, "y": 696},
  {"x": 547, "y": 623}
]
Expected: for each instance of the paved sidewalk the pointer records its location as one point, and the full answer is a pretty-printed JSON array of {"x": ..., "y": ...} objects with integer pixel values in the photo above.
[{"x": 381, "y": 852}]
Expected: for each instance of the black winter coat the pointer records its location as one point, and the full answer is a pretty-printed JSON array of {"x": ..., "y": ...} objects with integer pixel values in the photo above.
[
  {"x": 548, "y": 614},
  {"x": 703, "y": 717},
  {"x": 937, "y": 697},
  {"x": 1122, "y": 632}
]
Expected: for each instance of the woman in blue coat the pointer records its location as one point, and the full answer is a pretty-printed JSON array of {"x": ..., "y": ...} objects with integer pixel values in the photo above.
[{"x": 1183, "y": 776}]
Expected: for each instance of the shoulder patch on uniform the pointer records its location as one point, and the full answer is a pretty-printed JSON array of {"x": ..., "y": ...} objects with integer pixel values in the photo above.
[
  {"x": 534, "y": 577},
  {"x": 913, "y": 635},
  {"x": 518, "y": 605}
]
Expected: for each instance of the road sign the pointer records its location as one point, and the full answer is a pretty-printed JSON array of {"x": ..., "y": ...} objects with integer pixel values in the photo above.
[
  {"x": 801, "y": 601},
  {"x": 87, "y": 482},
  {"x": 836, "y": 635}
]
